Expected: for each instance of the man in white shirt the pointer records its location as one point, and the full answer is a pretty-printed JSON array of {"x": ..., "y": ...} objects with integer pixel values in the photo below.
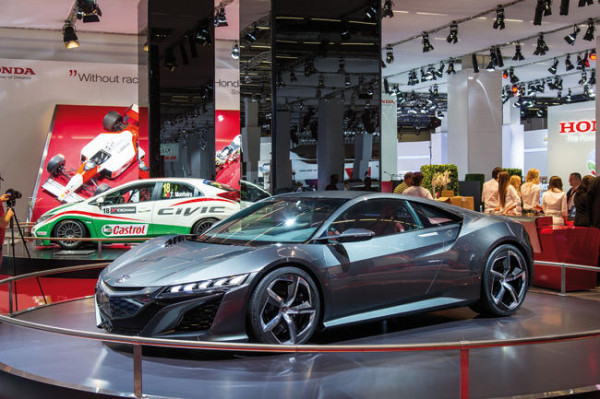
[
  {"x": 489, "y": 196},
  {"x": 574, "y": 181}
]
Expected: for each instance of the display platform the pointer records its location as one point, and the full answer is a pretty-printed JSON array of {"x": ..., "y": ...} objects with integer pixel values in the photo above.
[{"x": 34, "y": 363}]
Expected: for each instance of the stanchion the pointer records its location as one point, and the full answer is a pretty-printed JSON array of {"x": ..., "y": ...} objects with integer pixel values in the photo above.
[
  {"x": 137, "y": 370},
  {"x": 464, "y": 373}
]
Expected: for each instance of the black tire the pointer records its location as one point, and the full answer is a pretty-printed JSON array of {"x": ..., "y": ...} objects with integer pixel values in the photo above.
[
  {"x": 56, "y": 164},
  {"x": 101, "y": 188},
  {"x": 69, "y": 228},
  {"x": 285, "y": 308},
  {"x": 504, "y": 282},
  {"x": 112, "y": 121},
  {"x": 202, "y": 225}
]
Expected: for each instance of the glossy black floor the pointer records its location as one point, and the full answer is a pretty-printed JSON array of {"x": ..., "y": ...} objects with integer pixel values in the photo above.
[{"x": 84, "y": 367}]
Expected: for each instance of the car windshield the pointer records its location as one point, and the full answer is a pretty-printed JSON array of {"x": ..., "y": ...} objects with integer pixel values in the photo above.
[{"x": 281, "y": 220}]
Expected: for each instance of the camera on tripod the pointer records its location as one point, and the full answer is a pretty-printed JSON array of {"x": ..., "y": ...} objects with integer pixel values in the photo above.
[{"x": 14, "y": 195}]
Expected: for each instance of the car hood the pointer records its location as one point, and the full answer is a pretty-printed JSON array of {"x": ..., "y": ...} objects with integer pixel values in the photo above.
[{"x": 168, "y": 260}]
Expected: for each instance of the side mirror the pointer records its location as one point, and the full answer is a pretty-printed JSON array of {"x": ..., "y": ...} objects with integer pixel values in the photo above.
[
  {"x": 100, "y": 201},
  {"x": 350, "y": 235}
]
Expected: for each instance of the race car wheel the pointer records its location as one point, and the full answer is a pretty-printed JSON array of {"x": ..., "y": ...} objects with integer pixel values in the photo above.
[
  {"x": 504, "y": 282},
  {"x": 101, "y": 188},
  {"x": 112, "y": 120},
  {"x": 202, "y": 225},
  {"x": 70, "y": 229},
  {"x": 284, "y": 308},
  {"x": 56, "y": 164}
]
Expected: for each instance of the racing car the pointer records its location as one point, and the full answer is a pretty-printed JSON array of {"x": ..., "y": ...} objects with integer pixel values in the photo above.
[
  {"x": 107, "y": 155},
  {"x": 142, "y": 208},
  {"x": 229, "y": 154}
]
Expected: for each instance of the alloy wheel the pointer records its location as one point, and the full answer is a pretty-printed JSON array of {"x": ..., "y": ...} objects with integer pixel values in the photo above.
[{"x": 508, "y": 283}]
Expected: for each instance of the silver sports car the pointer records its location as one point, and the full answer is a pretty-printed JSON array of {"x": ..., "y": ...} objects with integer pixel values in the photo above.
[{"x": 292, "y": 264}]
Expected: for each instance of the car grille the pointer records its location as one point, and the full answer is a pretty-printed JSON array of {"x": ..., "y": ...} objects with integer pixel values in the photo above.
[
  {"x": 199, "y": 318},
  {"x": 117, "y": 307}
]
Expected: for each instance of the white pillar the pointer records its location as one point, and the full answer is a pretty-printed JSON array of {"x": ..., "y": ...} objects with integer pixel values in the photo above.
[
  {"x": 363, "y": 151},
  {"x": 475, "y": 121},
  {"x": 330, "y": 145},
  {"x": 389, "y": 137}
]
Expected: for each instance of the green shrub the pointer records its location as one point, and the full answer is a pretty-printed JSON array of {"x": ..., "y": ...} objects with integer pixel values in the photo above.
[
  {"x": 514, "y": 172},
  {"x": 430, "y": 170}
]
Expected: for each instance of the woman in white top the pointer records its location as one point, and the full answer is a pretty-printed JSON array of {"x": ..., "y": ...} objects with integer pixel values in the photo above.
[
  {"x": 530, "y": 192},
  {"x": 415, "y": 189},
  {"x": 510, "y": 202},
  {"x": 554, "y": 201}
]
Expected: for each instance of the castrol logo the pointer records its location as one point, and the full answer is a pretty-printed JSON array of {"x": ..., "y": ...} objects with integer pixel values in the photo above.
[{"x": 117, "y": 230}]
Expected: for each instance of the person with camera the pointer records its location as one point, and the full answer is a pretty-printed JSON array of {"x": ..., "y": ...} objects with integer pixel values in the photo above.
[{"x": 4, "y": 220}]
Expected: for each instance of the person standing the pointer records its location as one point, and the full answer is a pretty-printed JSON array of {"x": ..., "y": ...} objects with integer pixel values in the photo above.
[
  {"x": 400, "y": 188},
  {"x": 4, "y": 220},
  {"x": 594, "y": 202},
  {"x": 489, "y": 195},
  {"x": 581, "y": 202},
  {"x": 333, "y": 181},
  {"x": 509, "y": 202},
  {"x": 574, "y": 182},
  {"x": 530, "y": 192},
  {"x": 554, "y": 201},
  {"x": 415, "y": 189}
]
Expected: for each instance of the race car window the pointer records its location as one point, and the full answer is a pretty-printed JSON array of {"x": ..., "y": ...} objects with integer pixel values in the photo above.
[
  {"x": 130, "y": 195},
  {"x": 174, "y": 190}
]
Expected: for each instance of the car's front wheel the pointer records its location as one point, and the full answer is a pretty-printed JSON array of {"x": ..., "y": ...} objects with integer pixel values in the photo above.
[
  {"x": 505, "y": 282},
  {"x": 70, "y": 229},
  {"x": 285, "y": 307}
]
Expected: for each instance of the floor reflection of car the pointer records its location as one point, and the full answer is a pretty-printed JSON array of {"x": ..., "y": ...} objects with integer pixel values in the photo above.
[
  {"x": 251, "y": 193},
  {"x": 290, "y": 265},
  {"x": 143, "y": 208}
]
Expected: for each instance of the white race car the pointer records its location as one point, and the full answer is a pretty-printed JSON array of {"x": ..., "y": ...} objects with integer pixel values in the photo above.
[
  {"x": 108, "y": 154},
  {"x": 142, "y": 208}
]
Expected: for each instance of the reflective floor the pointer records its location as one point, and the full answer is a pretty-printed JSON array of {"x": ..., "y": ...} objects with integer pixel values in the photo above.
[{"x": 494, "y": 372}]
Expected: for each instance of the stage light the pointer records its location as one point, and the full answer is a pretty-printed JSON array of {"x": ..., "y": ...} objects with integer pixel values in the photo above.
[
  {"x": 389, "y": 55},
  {"x": 440, "y": 71},
  {"x": 585, "y": 2},
  {"x": 582, "y": 61},
  {"x": 514, "y": 89},
  {"x": 235, "y": 52},
  {"x": 541, "y": 47},
  {"x": 388, "y": 10},
  {"x": 572, "y": 37},
  {"x": 583, "y": 79},
  {"x": 547, "y": 8},
  {"x": 568, "y": 64},
  {"x": 505, "y": 74},
  {"x": 568, "y": 97},
  {"x": 513, "y": 77},
  {"x": 592, "y": 56},
  {"x": 347, "y": 81},
  {"x": 592, "y": 80},
  {"x": 518, "y": 54},
  {"x": 499, "y": 58},
  {"x": 450, "y": 69},
  {"x": 250, "y": 36},
  {"x": 589, "y": 33},
  {"x": 554, "y": 68},
  {"x": 426, "y": 44},
  {"x": 371, "y": 12},
  {"x": 346, "y": 34},
  {"x": 69, "y": 36},
  {"x": 88, "y": 11},
  {"x": 202, "y": 35},
  {"x": 539, "y": 12},
  {"x": 453, "y": 35},
  {"x": 588, "y": 92},
  {"x": 220, "y": 18},
  {"x": 564, "y": 7},
  {"x": 540, "y": 112},
  {"x": 475, "y": 63},
  {"x": 170, "y": 60},
  {"x": 499, "y": 22},
  {"x": 146, "y": 46}
]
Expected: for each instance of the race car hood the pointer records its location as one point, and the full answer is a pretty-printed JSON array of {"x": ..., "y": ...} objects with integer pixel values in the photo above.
[
  {"x": 169, "y": 260},
  {"x": 56, "y": 210}
]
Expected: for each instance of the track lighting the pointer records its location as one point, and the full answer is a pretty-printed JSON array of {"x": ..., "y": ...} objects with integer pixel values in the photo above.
[
  {"x": 540, "y": 112},
  {"x": 371, "y": 12},
  {"x": 571, "y": 37},
  {"x": 453, "y": 36},
  {"x": 389, "y": 55},
  {"x": 582, "y": 62},
  {"x": 568, "y": 64},
  {"x": 388, "y": 9},
  {"x": 440, "y": 71},
  {"x": 518, "y": 54},
  {"x": 499, "y": 22},
  {"x": 202, "y": 35},
  {"x": 251, "y": 35},
  {"x": 235, "y": 52},
  {"x": 505, "y": 74},
  {"x": 539, "y": 12},
  {"x": 585, "y": 3},
  {"x": 592, "y": 56},
  {"x": 69, "y": 36},
  {"x": 547, "y": 8},
  {"x": 426, "y": 44},
  {"x": 450, "y": 69},
  {"x": 346, "y": 34},
  {"x": 589, "y": 33},
  {"x": 499, "y": 59},
  {"x": 347, "y": 81},
  {"x": 541, "y": 47},
  {"x": 592, "y": 80},
  {"x": 554, "y": 68},
  {"x": 512, "y": 76},
  {"x": 475, "y": 63},
  {"x": 568, "y": 97},
  {"x": 492, "y": 64},
  {"x": 412, "y": 78},
  {"x": 588, "y": 92},
  {"x": 583, "y": 79},
  {"x": 88, "y": 11},
  {"x": 220, "y": 17},
  {"x": 279, "y": 81}
]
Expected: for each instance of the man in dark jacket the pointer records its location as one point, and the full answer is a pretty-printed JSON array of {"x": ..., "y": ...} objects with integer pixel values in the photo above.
[{"x": 594, "y": 202}]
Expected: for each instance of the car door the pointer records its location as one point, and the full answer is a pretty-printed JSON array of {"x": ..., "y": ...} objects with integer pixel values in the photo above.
[
  {"x": 396, "y": 265},
  {"x": 174, "y": 213},
  {"x": 127, "y": 211}
]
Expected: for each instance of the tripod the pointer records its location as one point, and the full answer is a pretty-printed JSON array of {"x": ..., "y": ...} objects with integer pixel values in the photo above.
[{"x": 14, "y": 220}]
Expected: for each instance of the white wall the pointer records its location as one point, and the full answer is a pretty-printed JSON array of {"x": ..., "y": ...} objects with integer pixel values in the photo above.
[{"x": 535, "y": 145}]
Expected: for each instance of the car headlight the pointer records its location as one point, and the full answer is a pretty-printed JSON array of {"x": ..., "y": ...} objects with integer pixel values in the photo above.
[
  {"x": 199, "y": 287},
  {"x": 43, "y": 218}
]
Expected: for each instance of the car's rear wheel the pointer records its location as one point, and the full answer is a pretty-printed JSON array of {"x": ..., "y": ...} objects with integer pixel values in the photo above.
[
  {"x": 112, "y": 120},
  {"x": 285, "y": 307},
  {"x": 70, "y": 229},
  {"x": 202, "y": 225},
  {"x": 56, "y": 164},
  {"x": 504, "y": 283}
]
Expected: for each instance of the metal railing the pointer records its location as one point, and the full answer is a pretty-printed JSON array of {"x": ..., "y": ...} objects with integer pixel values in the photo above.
[
  {"x": 563, "y": 271},
  {"x": 463, "y": 347}
]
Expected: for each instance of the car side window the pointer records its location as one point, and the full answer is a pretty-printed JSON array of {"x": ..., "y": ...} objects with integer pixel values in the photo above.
[
  {"x": 382, "y": 216},
  {"x": 175, "y": 190},
  {"x": 130, "y": 195},
  {"x": 434, "y": 217}
]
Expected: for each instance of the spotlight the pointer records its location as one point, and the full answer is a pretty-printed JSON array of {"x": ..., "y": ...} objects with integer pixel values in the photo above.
[
  {"x": 564, "y": 7},
  {"x": 505, "y": 74},
  {"x": 440, "y": 71},
  {"x": 202, "y": 34},
  {"x": 492, "y": 64},
  {"x": 568, "y": 97},
  {"x": 571, "y": 37},
  {"x": 426, "y": 44},
  {"x": 279, "y": 81},
  {"x": 589, "y": 33},
  {"x": 592, "y": 56},
  {"x": 540, "y": 112},
  {"x": 592, "y": 80},
  {"x": 499, "y": 22},
  {"x": 371, "y": 12},
  {"x": 541, "y": 47},
  {"x": 539, "y": 12},
  {"x": 554, "y": 68},
  {"x": 583, "y": 79},
  {"x": 582, "y": 62},
  {"x": 389, "y": 55},
  {"x": 170, "y": 60},
  {"x": 88, "y": 11},
  {"x": 345, "y": 35},
  {"x": 347, "y": 81},
  {"x": 513, "y": 77},
  {"x": 518, "y": 54},
  {"x": 386, "y": 86},
  {"x": 450, "y": 69},
  {"x": 235, "y": 52},
  {"x": 220, "y": 17},
  {"x": 559, "y": 96},
  {"x": 250, "y": 36},
  {"x": 588, "y": 92},
  {"x": 453, "y": 36},
  {"x": 146, "y": 46},
  {"x": 69, "y": 36},
  {"x": 388, "y": 9},
  {"x": 432, "y": 73},
  {"x": 475, "y": 63},
  {"x": 499, "y": 58},
  {"x": 568, "y": 64},
  {"x": 585, "y": 2},
  {"x": 547, "y": 7}
]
